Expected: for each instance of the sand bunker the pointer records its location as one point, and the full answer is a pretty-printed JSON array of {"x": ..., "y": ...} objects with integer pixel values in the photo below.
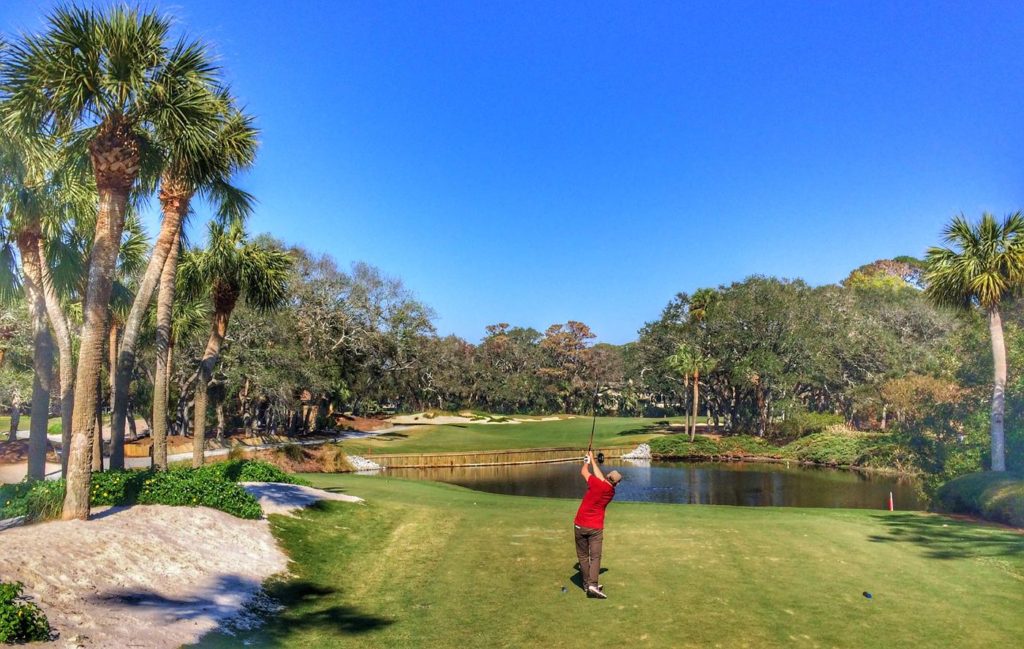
[
  {"x": 149, "y": 576},
  {"x": 277, "y": 498}
]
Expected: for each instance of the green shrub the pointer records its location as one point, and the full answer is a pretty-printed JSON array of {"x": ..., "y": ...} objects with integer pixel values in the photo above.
[
  {"x": 20, "y": 620},
  {"x": 198, "y": 488},
  {"x": 36, "y": 501},
  {"x": 800, "y": 423},
  {"x": 994, "y": 496},
  {"x": 836, "y": 447},
  {"x": 117, "y": 487},
  {"x": 250, "y": 471},
  {"x": 213, "y": 485},
  {"x": 706, "y": 447}
]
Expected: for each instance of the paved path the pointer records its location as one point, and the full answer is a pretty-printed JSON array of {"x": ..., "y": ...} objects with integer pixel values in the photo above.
[{"x": 16, "y": 472}]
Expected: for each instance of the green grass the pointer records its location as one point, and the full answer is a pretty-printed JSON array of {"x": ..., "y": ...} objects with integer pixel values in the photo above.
[
  {"x": 52, "y": 426},
  {"x": 610, "y": 431},
  {"x": 430, "y": 565}
]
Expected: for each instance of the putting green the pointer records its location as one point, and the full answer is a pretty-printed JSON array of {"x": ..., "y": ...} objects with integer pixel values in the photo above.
[
  {"x": 537, "y": 433},
  {"x": 430, "y": 565}
]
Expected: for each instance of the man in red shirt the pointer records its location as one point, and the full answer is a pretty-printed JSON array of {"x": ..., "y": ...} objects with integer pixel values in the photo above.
[{"x": 589, "y": 523}]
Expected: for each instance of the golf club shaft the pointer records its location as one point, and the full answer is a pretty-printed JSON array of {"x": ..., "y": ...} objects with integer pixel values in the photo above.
[{"x": 593, "y": 423}]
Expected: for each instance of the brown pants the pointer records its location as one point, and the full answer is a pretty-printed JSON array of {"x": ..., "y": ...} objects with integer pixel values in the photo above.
[{"x": 588, "y": 550}]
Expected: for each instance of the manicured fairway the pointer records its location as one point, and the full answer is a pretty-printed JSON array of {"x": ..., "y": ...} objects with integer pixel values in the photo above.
[
  {"x": 430, "y": 565},
  {"x": 575, "y": 432}
]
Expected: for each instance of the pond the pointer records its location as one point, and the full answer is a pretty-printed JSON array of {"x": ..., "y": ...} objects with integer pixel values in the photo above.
[{"x": 707, "y": 483}]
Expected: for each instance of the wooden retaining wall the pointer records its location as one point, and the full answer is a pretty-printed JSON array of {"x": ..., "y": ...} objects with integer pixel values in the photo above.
[{"x": 489, "y": 458}]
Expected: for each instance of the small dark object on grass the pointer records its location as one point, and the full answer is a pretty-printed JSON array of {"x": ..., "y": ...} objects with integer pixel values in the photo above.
[
  {"x": 867, "y": 594},
  {"x": 564, "y": 589}
]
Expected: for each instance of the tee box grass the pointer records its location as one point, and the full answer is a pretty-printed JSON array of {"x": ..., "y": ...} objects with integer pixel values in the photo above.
[{"x": 430, "y": 565}]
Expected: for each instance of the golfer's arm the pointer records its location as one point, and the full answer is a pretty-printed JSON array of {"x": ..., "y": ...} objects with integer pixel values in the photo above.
[
  {"x": 585, "y": 471},
  {"x": 597, "y": 472}
]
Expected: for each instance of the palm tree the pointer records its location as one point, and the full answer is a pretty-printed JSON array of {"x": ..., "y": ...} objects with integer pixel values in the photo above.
[
  {"x": 229, "y": 267},
  {"x": 700, "y": 302},
  {"x": 104, "y": 83},
  {"x": 177, "y": 320},
  {"x": 983, "y": 266},
  {"x": 22, "y": 191},
  {"x": 688, "y": 361},
  {"x": 194, "y": 165}
]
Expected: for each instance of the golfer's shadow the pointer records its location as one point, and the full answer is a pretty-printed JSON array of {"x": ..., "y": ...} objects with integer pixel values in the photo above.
[{"x": 578, "y": 577}]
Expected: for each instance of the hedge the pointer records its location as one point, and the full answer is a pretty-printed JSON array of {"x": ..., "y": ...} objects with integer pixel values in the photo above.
[
  {"x": 214, "y": 485},
  {"x": 994, "y": 496}
]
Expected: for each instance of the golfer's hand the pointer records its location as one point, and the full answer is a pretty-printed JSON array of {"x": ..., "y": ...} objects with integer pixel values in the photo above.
[
  {"x": 586, "y": 458},
  {"x": 590, "y": 457}
]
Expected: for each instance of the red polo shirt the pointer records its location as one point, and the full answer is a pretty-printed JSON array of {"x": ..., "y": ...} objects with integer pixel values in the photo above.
[{"x": 591, "y": 511}]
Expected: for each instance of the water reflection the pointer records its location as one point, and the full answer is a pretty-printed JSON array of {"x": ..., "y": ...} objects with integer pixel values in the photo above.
[{"x": 707, "y": 483}]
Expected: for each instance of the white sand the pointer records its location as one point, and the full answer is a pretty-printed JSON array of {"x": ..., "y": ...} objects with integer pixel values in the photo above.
[
  {"x": 441, "y": 420},
  {"x": 148, "y": 576},
  {"x": 278, "y": 498}
]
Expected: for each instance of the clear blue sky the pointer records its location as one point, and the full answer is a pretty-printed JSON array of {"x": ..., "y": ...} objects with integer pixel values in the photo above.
[{"x": 534, "y": 162}]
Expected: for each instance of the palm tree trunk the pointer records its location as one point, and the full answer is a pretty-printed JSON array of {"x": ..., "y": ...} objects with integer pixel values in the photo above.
[
  {"x": 65, "y": 354},
  {"x": 218, "y": 330},
  {"x": 109, "y": 226},
  {"x": 174, "y": 205},
  {"x": 693, "y": 430},
  {"x": 995, "y": 328},
  {"x": 164, "y": 351},
  {"x": 42, "y": 352},
  {"x": 116, "y": 445},
  {"x": 97, "y": 439}
]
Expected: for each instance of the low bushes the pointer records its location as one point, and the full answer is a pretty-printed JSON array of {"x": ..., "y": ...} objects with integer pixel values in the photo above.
[
  {"x": 20, "y": 620},
  {"x": 994, "y": 496},
  {"x": 34, "y": 500},
  {"x": 798, "y": 424},
  {"x": 214, "y": 485},
  {"x": 197, "y": 488},
  {"x": 253, "y": 471},
  {"x": 837, "y": 446},
  {"x": 706, "y": 447}
]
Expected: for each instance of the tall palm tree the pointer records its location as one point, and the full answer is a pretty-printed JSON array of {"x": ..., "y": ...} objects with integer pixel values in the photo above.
[
  {"x": 230, "y": 267},
  {"x": 700, "y": 303},
  {"x": 688, "y": 362},
  {"x": 193, "y": 165},
  {"x": 105, "y": 83},
  {"x": 983, "y": 266},
  {"x": 20, "y": 191},
  {"x": 177, "y": 319}
]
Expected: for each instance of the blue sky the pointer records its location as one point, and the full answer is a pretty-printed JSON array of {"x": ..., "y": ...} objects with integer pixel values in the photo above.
[{"x": 535, "y": 162}]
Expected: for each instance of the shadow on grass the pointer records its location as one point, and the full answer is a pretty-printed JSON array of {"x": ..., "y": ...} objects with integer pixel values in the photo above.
[
  {"x": 387, "y": 437},
  {"x": 577, "y": 579},
  {"x": 945, "y": 538}
]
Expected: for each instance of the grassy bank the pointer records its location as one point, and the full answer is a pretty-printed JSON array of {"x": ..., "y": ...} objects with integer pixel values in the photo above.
[
  {"x": 835, "y": 447},
  {"x": 997, "y": 497},
  {"x": 430, "y": 565},
  {"x": 575, "y": 432}
]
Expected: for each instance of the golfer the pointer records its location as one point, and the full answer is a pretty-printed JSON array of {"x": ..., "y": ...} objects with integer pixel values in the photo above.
[{"x": 589, "y": 523}]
